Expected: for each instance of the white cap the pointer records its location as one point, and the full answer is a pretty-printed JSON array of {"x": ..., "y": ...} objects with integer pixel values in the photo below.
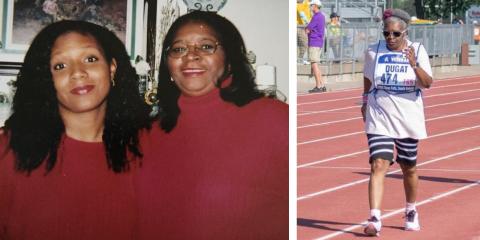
[{"x": 316, "y": 2}]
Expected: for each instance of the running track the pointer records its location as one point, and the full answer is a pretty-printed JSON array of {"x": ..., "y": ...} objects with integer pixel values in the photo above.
[{"x": 333, "y": 169}]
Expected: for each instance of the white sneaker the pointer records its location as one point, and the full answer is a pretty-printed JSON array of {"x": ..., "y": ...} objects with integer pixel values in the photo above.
[
  {"x": 411, "y": 221},
  {"x": 373, "y": 227}
]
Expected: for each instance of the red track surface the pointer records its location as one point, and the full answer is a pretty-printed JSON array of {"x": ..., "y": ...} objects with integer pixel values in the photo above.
[{"x": 333, "y": 167}]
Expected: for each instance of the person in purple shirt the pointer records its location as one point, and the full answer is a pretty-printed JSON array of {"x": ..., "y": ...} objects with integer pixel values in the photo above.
[{"x": 316, "y": 31}]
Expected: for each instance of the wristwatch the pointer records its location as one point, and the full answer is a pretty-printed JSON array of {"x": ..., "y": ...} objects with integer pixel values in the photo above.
[{"x": 416, "y": 66}]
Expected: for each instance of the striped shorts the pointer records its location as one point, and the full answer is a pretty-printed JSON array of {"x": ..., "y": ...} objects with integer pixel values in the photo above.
[{"x": 382, "y": 147}]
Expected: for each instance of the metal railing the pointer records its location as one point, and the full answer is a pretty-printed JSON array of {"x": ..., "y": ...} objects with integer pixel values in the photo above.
[
  {"x": 353, "y": 3},
  {"x": 442, "y": 42},
  {"x": 361, "y": 9}
]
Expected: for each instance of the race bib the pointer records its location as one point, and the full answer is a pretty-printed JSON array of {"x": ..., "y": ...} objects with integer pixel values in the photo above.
[{"x": 393, "y": 72}]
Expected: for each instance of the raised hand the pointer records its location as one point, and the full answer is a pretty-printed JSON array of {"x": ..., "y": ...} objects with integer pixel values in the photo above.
[{"x": 410, "y": 55}]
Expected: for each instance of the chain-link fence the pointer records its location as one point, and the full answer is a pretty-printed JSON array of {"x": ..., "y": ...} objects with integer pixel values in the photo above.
[{"x": 442, "y": 42}]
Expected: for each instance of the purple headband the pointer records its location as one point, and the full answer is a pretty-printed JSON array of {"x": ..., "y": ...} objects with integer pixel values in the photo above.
[{"x": 388, "y": 13}]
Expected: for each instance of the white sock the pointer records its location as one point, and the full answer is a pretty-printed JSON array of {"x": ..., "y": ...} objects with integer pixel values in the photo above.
[
  {"x": 410, "y": 206},
  {"x": 375, "y": 212}
]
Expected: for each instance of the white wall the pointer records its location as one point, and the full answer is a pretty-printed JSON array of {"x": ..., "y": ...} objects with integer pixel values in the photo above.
[
  {"x": 264, "y": 27},
  {"x": 1, "y": 17},
  {"x": 1, "y": 21}
]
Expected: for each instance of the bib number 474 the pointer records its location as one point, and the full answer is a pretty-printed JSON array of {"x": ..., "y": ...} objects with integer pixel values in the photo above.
[{"x": 388, "y": 78}]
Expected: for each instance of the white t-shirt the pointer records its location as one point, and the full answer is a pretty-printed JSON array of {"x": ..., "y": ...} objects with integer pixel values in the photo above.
[{"x": 398, "y": 111}]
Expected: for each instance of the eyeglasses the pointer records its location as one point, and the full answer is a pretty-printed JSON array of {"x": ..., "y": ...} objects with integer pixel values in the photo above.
[
  {"x": 178, "y": 50},
  {"x": 395, "y": 34}
]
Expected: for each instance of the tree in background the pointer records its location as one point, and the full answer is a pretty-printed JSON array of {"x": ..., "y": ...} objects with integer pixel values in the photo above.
[
  {"x": 406, "y": 5},
  {"x": 419, "y": 8},
  {"x": 434, "y": 9}
]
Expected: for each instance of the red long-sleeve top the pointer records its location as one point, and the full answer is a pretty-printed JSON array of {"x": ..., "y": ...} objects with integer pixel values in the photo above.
[
  {"x": 222, "y": 173},
  {"x": 79, "y": 199}
]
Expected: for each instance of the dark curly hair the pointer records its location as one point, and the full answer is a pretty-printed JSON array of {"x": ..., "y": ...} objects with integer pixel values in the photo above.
[
  {"x": 241, "y": 90},
  {"x": 35, "y": 127}
]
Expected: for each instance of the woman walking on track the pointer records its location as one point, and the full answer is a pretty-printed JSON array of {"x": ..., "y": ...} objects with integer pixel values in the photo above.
[{"x": 396, "y": 70}]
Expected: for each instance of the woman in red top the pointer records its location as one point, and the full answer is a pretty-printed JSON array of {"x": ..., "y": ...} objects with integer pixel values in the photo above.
[
  {"x": 66, "y": 150},
  {"x": 218, "y": 167}
]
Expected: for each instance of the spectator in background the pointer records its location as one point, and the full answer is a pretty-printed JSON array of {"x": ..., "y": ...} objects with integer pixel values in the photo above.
[
  {"x": 457, "y": 20},
  {"x": 316, "y": 31},
  {"x": 303, "y": 18},
  {"x": 359, "y": 44},
  {"x": 334, "y": 34}
]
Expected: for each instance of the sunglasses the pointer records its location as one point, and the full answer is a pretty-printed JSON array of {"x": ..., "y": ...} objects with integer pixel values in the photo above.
[{"x": 395, "y": 34}]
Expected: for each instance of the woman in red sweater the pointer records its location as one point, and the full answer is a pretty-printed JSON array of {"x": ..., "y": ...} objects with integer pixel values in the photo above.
[
  {"x": 217, "y": 167},
  {"x": 66, "y": 150}
]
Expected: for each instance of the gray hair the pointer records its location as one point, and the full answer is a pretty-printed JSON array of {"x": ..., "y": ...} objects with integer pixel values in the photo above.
[
  {"x": 391, "y": 20},
  {"x": 396, "y": 16}
]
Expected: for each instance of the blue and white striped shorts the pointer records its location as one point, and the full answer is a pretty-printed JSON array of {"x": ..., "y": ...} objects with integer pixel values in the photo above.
[{"x": 382, "y": 147}]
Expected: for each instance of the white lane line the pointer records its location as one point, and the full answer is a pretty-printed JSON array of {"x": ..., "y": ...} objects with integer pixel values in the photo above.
[
  {"x": 366, "y": 151},
  {"x": 358, "y": 97},
  {"x": 449, "y": 170},
  {"x": 450, "y": 103},
  {"x": 305, "y": 111},
  {"x": 418, "y": 169},
  {"x": 358, "y": 106},
  {"x": 333, "y": 189},
  {"x": 331, "y": 159},
  {"x": 456, "y": 85},
  {"x": 330, "y": 138},
  {"x": 350, "y": 168},
  {"x": 451, "y": 93},
  {"x": 401, "y": 210},
  {"x": 329, "y": 110},
  {"x": 452, "y": 115},
  {"x": 454, "y": 131},
  {"x": 300, "y": 94},
  {"x": 360, "y": 132},
  {"x": 330, "y": 100},
  {"x": 457, "y": 78},
  {"x": 350, "y": 119},
  {"x": 328, "y": 123}
]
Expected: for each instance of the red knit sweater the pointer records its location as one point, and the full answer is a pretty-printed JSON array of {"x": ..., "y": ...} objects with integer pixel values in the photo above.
[
  {"x": 222, "y": 173},
  {"x": 80, "y": 199}
]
